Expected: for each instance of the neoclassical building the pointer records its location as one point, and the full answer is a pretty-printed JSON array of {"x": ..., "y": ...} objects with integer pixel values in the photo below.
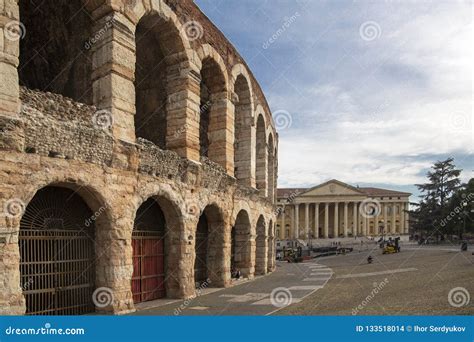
[
  {"x": 336, "y": 209},
  {"x": 138, "y": 156}
]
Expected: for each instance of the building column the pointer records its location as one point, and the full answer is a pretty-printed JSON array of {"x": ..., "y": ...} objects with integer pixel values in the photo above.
[
  {"x": 316, "y": 220},
  {"x": 326, "y": 220},
  {"x": 345, "y": 219},
  {"x": 297, "y": 222},
  {"x": 306, "y": 217},
  {"x": 336, "y": 219},
  {"x": 282, "y": 222},
  {"x": 385, "y": 222},
  {"x": 406, "y": 216},
  {"x": 355, "y": 218},
  {"x": 402, "y": 218},
  {"x": 364, "y": 221},
  {"x": 394, "y": 220}
]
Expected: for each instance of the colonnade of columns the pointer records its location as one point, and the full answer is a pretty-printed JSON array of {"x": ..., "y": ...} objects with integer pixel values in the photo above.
[{"x": 341, "y": 219}]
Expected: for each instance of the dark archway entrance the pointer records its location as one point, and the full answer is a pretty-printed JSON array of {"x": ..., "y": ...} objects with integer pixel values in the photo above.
[
  {"x": 201, "y": 248},
  {"x": 241, "y": 246},
  {"x": 148, "y": 243},
  {"x": 57, "y": 257}
]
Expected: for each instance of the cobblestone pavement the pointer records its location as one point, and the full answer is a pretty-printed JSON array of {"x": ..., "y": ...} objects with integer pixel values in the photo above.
[
  {"x": 426, "y": 280},
  {"x": 417, "y": 281}
]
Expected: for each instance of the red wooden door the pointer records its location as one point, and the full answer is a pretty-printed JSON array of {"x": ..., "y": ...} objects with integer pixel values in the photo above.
[{"x": 148, "y": 279}]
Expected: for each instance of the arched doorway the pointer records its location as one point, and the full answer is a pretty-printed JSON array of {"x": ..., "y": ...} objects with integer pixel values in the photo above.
[
  {"x": 201, "y": 249},
  {"x": 57, "y": 257},
  {"x": 148, "y": 243},
  {"x": 241, "y": 245},
  {"x": 261, "y": 247},
  {"x": 271, "y": 246}
]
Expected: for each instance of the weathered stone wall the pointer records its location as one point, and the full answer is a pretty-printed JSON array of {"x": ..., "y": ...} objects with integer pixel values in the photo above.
[{"x": 49, "y": 139}]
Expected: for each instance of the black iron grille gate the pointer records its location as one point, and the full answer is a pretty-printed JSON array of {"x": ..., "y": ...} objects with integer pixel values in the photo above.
[{"x": 57, "y": 254}]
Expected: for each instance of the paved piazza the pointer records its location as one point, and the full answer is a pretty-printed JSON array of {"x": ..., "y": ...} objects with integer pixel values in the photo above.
[{"x": 416, "y": 281}]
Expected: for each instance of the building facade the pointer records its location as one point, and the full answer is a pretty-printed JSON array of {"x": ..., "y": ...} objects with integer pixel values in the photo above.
[
  {"x": 335, "y": 209},
  {"x": 138, "y": 156}
]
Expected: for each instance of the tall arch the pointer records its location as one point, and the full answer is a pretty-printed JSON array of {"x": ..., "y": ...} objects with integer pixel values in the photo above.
[
  {"x": 57, "y": 250},
  {"x": 212, "y": 120},
  {"x": 241, "y": 245},
  {"x": 55, "y": 53},
  {"x": 272, "y": 236},
  {"x": 260, "y": 157},
  {"x": 261, "y": 247},
  {"x": 148, "y": 244},
  {"x": 157, "y": 41},
  {"x": 243, "y": 131},
  {"x": 271, "y": 168}
]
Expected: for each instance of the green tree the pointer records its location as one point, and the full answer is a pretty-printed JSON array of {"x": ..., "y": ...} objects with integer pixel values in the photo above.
[
  {"x": 461, "y": 210},
  {"x": 443, "y": 183}
]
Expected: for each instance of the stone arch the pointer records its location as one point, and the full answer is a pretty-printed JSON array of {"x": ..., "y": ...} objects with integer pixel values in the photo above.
[
  {"x": 261, "y": 156},
  {"x": 159, "y": 51},
  {"x": 56, "y": 56},
  {"x": 261, "y": 247},
  {"x": 242, "y": 245},
  {"x": 210, "y": 248},
  {"x": 215, "y": 117},
  {"x": 175, "y": 239},
  {"x": 64, "y": 226},
  {"x": 243, "y": 123}
]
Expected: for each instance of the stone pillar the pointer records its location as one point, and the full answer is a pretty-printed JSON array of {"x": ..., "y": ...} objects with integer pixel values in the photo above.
[
  {"x": 316, "y": 219},
  {"x": 385, "y": 222},
  {"x": 364, "y": 220},
  {"x": 346, "y": 224},
  {"x": 306, "y": 217},
  {"x": 336, "y": 219},
  {"x": 297, "y": 222},
  {"x": 394, "y": 218},
  {"x": 407, "y": 227},
  {"x": 282, "y": 220},
  {"x": 355, "y": 218},
  {"x": 11, "y": 31},
  {"x": 402, "y": 217},
  {"x": 326, "y": 220}
]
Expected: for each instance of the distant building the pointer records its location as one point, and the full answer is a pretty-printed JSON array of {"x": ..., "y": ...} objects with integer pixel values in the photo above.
[{"x": 336, "y": 209}]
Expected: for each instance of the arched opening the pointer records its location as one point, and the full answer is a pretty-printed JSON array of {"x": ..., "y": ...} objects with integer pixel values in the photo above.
[
  {"x": 261, "y": 161},
  {"x": 209, "y": 268},
  {"x": 201, "y": 249},
  {"x": 271, "y": 168},
  {"x": 57, "y": 257},
  {"x": 212, "y": 113},
  {"x": 148, "y": 244},
  {"x": 156, "y": 40},
  {"x": 241, "y": 245},
  {"x": 243, "y": 138},
  {"x": 55, "y": 53},
  {"x": 271, "y": 247},
  {"x": 261, "y": 247}
]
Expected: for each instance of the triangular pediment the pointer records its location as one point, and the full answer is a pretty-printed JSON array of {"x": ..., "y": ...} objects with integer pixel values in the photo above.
[{"x": 332, "y": 188}]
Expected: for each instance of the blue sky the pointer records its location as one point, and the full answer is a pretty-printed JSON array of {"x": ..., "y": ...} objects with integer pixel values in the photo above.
[{"x": 367, "y": 92}]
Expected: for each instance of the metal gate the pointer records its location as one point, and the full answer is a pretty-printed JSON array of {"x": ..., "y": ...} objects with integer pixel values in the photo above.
[
  {"x": 148, "y": 279},
  {"x": 57, "y": 254}
]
